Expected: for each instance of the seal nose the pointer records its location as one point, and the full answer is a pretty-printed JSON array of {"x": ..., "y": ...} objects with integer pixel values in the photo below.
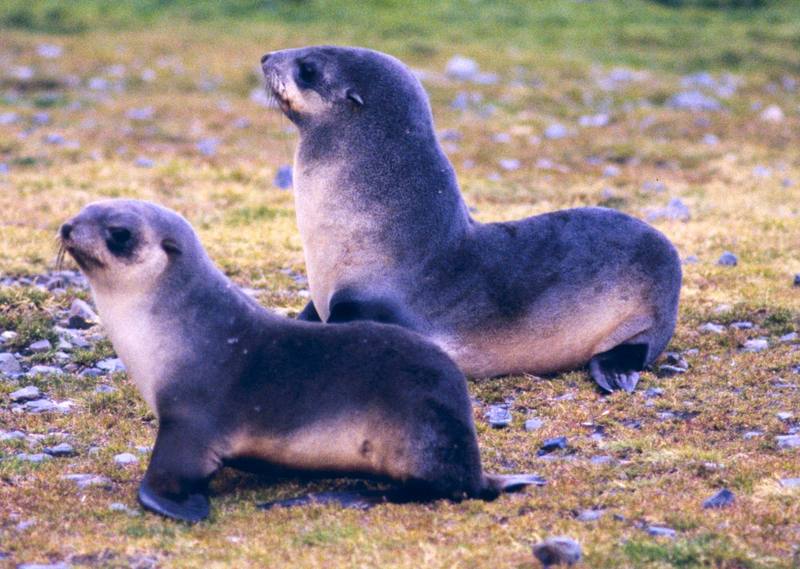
[
  {"x": 265, "y": 57},
  {"x": 65, "y": 231}
]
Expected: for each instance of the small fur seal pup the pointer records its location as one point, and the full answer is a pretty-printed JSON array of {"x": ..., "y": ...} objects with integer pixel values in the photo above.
[
  {"x": 387, "y": 237},
  {"x": 230, "y": 381}
]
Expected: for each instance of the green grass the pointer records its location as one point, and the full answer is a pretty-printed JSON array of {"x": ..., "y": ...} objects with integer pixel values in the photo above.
[{"x": 203, "y": 59}]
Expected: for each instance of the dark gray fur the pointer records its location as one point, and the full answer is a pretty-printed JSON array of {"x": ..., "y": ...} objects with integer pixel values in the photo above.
[
  {"x": 452, "y": 274},
  {"x": 279, "y": 376}
]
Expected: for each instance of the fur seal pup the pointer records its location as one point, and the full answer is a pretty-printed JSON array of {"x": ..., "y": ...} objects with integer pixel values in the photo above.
[
  {"x": 387, "y": 237},
  {"x": 230, "y": 381}
]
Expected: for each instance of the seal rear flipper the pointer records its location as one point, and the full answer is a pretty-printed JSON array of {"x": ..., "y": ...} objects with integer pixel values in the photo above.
[
  {"x": 190, "y": 508},
  {"x": 496, "y": 484},
  {"x": 618, "y": 368},
  {"x": 309, "y": 313}
]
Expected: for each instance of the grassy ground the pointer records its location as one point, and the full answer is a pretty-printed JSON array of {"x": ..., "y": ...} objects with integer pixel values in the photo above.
[{"x": 192, "y": 70}]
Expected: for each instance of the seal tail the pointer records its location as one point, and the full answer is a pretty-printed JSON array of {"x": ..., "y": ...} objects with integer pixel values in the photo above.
[{"x": 496, "y": 484}]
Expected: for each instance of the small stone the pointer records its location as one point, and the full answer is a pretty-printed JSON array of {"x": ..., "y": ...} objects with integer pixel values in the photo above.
[
  {"x": 11, "y": 435},
  {"x": 45, "y": 370},
  {"x": 590, "y": 515},
  {"x": 462, "y": 68},
  {"x": 728, "y": 259},
  {"x": 654, "y": 392},
  {"x": 49, "y": 50},
  {"x": 509, "y": 164},
  {"x": 112, "y": 365},
  {"x": 611, "y": 171},
  {"x": 796, "y": 281},
  {"x": 790, "y": 482},
  {"x": 87, "y": 480},
  {"x": 675, "y": 210},
  {"x": 283, "y": 178},
  {"x": 743, "y": 325},
  {"x": 35, "y": 458},
  {"x": 661, "y": 531},
  {"x": 751, "y": 435},
  {"x": 105, "y": 389},
  {"x": 755, "y": 345},
  {"x": 208, "y": 146},
  {"x": 598, "y": 120},
  {"x": 784, "y": 416},
  {"x": 28, "y": 393},
  {"x": 125, "y": 458},
  {"x": 670, "y": 370},
  {"x": 552, "y": 445},
  {"x": 773, "y": 114},
  {"x": 141, "y": 114},
  {"x": 40, "y": 406},
  {"x": 81, "y": 315},
  {"x": 533, "y": 424},
  {"x": 559, "y": 550},
  {"x": 120, "y": 507},
  {"x": 788, "y": 441},
  {"x": 675, "y": 359},
  {"x": 9, "y": 364},
  {"x": 44, "y": 566},
  {"x": 144, "y": 162},
  {"x": 761, "y": 171},
  {"x": 40, "y": 346},
  {"x": 63, "y": 449},
  {"x": 693, "y": 101},
  {"x": 601, "y": 459},
  {"x": 711, "y": 328},
  {"x": 722, "y": 499},
  {"x": 498, "y": 416},
  {"x": 8, "y": 118},
  {"x": 790, "y": 337},
  {"x": 556, "y": 131},
  {"x": 710, "y": 139}
]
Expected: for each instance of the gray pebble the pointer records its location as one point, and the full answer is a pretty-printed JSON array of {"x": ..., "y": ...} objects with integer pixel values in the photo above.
[
  {"x": 790, "y": 337},
  {"x": 87, "y": 480},
  {"x": 790, "y": 482},
  {"x": 755, "y": 345},
  {"x": 559, "y": 550},
  {"x": 9, "y": 364},
  {"x": 44, "y": 566},
  {"x": 208, "y": 146},
  {"x": 462, "y": 68},
  {"x": 743, "y": 325},
  {"x": 788, "y": 441},
  {"x": 796, "y": 281},
  {"x": 35, "y": 458},
  {"x": 92, "y": 372},
  {"x": 11, "y": 435},
  {"x": 63, "y": 449},
  {"x": 670, "y": 370},
  {"x": 551, "y": 445},
  {"x": 45, "y": 370},
  {"x": 533, "y": 424},
  {"x": 590, "y": 515},
  {"x": 751, "y": 435},
  {"x": 125, "y": 458},
  {"x": 728, "y": 259},
  {"x": 784, "y": 415},
  {"x": 111, "y": 365},
  {"x": 283, "y": 178},
  {"x": 144, "y": 162},
  {"x": 40, "y": 406},
  {"x": 509, "y": 164},
  {"x": 40, "y": 346},
  {"x": 675, "y": 210},
  {"x": 722, "y": 499},
  {"x": 104, "y": 388},
  {"x": 661, "y": 531},
  {"x": 654, "y": 392},
  {"x": 693, "y": 101},
  {"x": 711, "y": 328},
  {"x": 498, "y": 416},
  {"x": 556, "y": 131},
  {"x": 81, "y": 315},
  {"x": 27, "y": 393}
]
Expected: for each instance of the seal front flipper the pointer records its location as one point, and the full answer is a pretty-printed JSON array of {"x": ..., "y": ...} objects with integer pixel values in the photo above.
[
  {"x": 309, "y": 313},
  {"x": 347, "y": 305},
  {"x": 619, "y": 367},
  {"x": 496, "y": 484},
  {"x": 176, "y": 482}
]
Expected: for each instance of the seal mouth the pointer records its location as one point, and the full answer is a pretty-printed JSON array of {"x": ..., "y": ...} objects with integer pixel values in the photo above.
[
  {"x": 86, "y": 261},
  {"x": 276, "y": 90}
]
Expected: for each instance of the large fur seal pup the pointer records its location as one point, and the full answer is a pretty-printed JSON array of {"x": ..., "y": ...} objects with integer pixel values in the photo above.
[
  {"x": 388, "y": 237},
  {"x": 230, "y": 381}
]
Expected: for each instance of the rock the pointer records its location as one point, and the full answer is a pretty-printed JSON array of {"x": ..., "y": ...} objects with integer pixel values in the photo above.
[
  {"x": 283, "y": 178},
  {"x": 63, "y": 449},
  {"x": 661, "y": 531},
  {"x": 27, "y": 393},
  {"x": 11, "y": 435},
  {"x": 773, "y": 114},
  {"x": 35, "y": 458},
  {"x": 40, "y": 346},
  {"x": 105, "y": 389},
  {"x": 207, "y": 146},
  {"x": 711, "y": 328},
  {"x": 788, "y": 441},
  {"x": 675, "y": 210},
  {"x": 675, "y": 359},
  {"x": 784, "y": 416},
  {"x": 611, "y": 171},
  {"x": 670, "y": 370},
  {"x": 462, "y": 68},
  {"x": 796, "y": 281},
  {"x": 8, "y": 118},
  {"x": 44, "y": 566},
  {"x": 141, "y": 114},
  {"x": 743, "y": 325},
  {"x": 509, "y": 164},
  {"x": 654, "y": 392},
  {"x": 120, "y": 507},
  {"x": 9, "y": 364},
  {"x": 92, "y": 372},
  {"x": 755, "y": 345},
  {"x": 751, "y": 435},
  {"x": 728, "y": 259},
  {"x": 693, "y": 101},
  {"x": 112, "y": 365},
  {"x": 533, "y": 424},
  {"x": 790, "y": 482},
  {"x": 88, "y": 480},
  {"x": 559, "y": 550},
  {"x": 601, "y": 459},
  {"x": 125, "y": 458},
  {"x": 710, "y": 139},
  {"x": 598, "y": 120},
  {"x": 590, "y": 515},
  {"x": 144, "y": 162},
  {"x": 552, "y": 445},
  {"x": 45, "y": 370},
  {"x": 790, "y": 337},
  {"x": 81, "y": 315},
  {"x": 556, "y": 131},
  {"x": 40, "y": 406},
  {"x": 498, "y": 416},
  {"x": 722, "y": 499}
]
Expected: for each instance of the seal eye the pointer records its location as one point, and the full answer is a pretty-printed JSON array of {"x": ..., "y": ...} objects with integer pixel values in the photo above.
[
  {"x": 119, "y": 239},
  {"x": 307, "y": 72}
]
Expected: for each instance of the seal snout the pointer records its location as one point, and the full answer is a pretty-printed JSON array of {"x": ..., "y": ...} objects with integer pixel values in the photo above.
[
  {"x": 65, "y": 231},
  {"x": 265, "y": 57}
]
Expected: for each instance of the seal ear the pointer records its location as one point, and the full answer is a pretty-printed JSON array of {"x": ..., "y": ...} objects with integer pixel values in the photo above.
[
  {"x": 170, "y": 246},
  {"x": 355, "y": 97}
]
